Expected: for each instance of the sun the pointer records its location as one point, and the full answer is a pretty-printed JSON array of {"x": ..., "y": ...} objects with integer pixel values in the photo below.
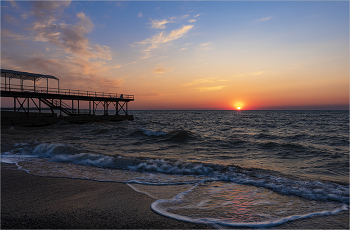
[{"x": 238, "y": 105}]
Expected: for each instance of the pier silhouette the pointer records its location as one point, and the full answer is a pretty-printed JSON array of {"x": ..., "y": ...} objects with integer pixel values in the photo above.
[{"x": 30, "y": 102}]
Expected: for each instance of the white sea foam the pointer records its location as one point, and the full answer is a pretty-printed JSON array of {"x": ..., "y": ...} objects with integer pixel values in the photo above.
[
  {"x": 229, "y": 223},
  {"x": 163, "y": 166},
  {"x": 313, "y": 190},
  {"x": 240, "y": 206}
]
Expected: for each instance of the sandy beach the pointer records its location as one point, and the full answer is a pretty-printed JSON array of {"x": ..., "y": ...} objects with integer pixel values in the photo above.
[{"x": 29, "y": 201}]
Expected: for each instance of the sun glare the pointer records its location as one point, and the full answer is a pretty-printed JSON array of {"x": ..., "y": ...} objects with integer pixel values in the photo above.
[{"x": 237, "y": 105}]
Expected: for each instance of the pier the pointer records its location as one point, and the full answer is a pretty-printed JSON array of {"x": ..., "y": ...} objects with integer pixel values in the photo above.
[{"x": 31, "y": 103}]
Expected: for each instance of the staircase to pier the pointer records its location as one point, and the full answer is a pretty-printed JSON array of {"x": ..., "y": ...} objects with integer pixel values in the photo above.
[{"x": 56, "y": 104}]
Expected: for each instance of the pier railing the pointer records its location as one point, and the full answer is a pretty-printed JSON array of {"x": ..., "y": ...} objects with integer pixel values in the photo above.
[{"x": 59, "y": 91}]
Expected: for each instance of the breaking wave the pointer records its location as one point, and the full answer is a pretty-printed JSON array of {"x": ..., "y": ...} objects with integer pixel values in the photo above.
[{"x": 313, "y": 190}]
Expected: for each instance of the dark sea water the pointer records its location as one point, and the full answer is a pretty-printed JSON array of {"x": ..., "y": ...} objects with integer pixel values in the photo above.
[{"x": 232, "y": 168}]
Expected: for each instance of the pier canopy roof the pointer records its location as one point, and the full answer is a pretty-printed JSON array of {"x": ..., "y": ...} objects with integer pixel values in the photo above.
[{"x": 26, "y": 75}]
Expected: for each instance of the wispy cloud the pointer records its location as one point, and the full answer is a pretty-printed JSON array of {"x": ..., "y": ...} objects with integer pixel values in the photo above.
[
  {"x": 162, "y": 37},
  {"x": 212, "y": 88},
  {"x": 258, "y": 73},
  {"x": 203, "y": 80},
  {"x": 152, "y": 93},
  {"x": 159, "y": 24},
  {"x": 206, "y": 46},
  {"x": 159, "y": 70},
  {"x": 8, "y": 33},
  {"x": 200, "y": 81},
  {"x": 139, "y": 14},
  {"x": 264, "y": 19},
  {"x": 13, "y": 4},
  {"x": 192, "y": 20}
]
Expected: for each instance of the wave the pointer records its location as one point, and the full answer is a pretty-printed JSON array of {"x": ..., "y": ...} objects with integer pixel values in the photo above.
[
  {"x": 152, "y": 133},
  {"x": 149, "y": 133},
  {"x": 313, "y": 190},
  {"x": 181, "y": 135},
  {"x": 178, "y": 167},
  {"x": 66, "y": 153}
]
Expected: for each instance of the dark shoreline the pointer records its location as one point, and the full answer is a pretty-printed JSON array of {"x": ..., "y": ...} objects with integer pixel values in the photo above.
[{"x": 29, "y": 201}]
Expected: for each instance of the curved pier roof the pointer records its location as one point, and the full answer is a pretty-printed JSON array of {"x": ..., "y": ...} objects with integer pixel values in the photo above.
[{"x": 26, "y": 75}]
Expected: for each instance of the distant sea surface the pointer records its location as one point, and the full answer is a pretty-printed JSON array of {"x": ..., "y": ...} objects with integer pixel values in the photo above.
[{"x": 226, "y": 168}]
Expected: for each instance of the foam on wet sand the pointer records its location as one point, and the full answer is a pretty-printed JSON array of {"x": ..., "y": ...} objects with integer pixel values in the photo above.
[{"x": 29, "y": 201}]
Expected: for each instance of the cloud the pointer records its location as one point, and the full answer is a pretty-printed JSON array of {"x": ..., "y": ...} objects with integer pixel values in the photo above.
[
  {"x": 72, "y": 38},
  {"x": 13, "y": 4},
  {"x": 205, "y": 80},
  {"x": 75, "y": 70},
  {"x": 103, "y": 52},
  {"x": 12, "y": 35},
  {"x": 74, "y": 73},
  {"x": 205, "y": 46},
  {"x": 47, "y": 28},
  {"x": 212, "y": 88},
  {"x": 200, "y": 81},
  {"x": 48, "y": 10},
  {"x": 183, "y": 48},
  {"x": 159, "y": 70},
  {"x": 159, "y": 24},
  {"x": 192, "y": 20},
  {"x": 153, "y": 93},
  {"x": 162, "y": 38},
  {"x": 197, "y": 15},
  {"x": 139, "y": 14},
  {"x": 9, "y": 19},
  {"x": 265, "y": 19},
  {"x": 183, "y": 17},
  {"x": 175, "y": 34},
  {"x": 258, "y": 73}
]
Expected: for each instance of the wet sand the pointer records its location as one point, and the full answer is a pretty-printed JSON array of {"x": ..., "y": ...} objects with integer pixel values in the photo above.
[{"x": 29, "y": 201}]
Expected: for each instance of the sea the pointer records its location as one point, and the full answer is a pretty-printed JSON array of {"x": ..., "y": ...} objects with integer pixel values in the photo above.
[{"x": 223, "y": 168}]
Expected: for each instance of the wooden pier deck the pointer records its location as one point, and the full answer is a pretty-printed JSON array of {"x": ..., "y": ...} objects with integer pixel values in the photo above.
[{"x": 65, "y": 104}]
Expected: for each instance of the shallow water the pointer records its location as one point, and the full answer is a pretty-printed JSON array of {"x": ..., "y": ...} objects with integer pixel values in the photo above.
[{"x": 234, "y": 168}]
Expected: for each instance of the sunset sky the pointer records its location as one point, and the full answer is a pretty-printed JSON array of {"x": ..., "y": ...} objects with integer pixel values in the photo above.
[{"x": 187, "y": 54}]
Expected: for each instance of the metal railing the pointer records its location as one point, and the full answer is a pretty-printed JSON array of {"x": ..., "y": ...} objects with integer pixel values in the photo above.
[{"x": 32, "y": 89}]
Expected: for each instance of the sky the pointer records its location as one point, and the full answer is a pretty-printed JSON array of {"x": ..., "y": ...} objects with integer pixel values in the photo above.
[{"x": 216, "y": 55}]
